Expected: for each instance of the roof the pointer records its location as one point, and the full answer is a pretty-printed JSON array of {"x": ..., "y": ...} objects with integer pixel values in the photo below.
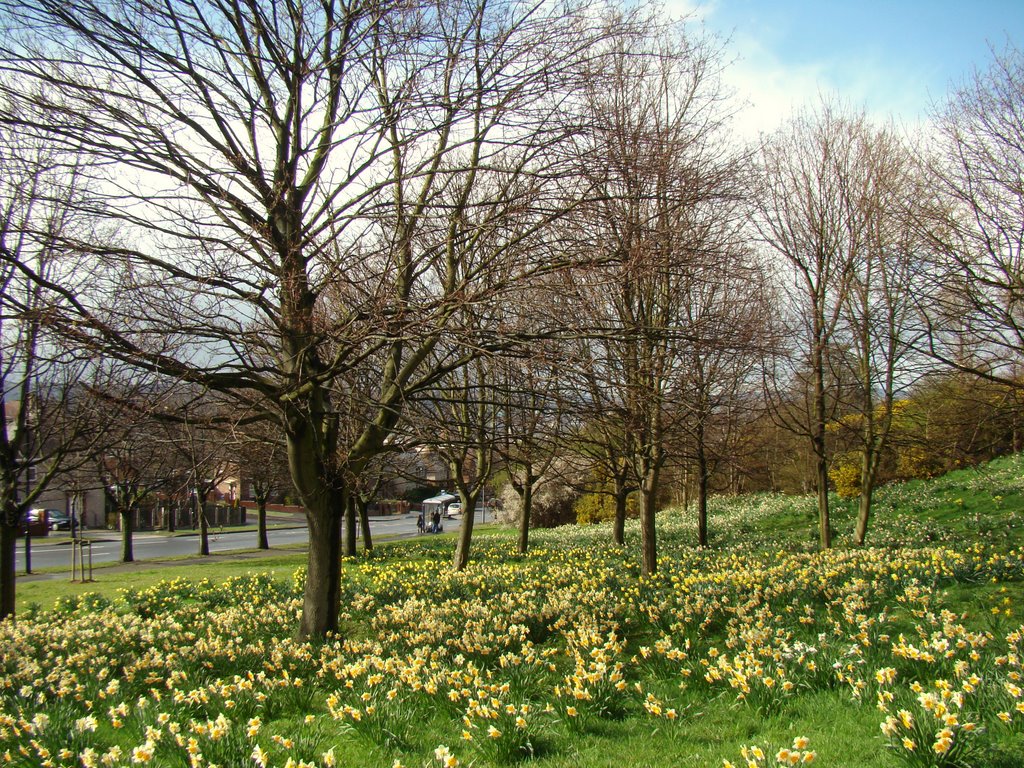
[{"x": 443, "y": 498}]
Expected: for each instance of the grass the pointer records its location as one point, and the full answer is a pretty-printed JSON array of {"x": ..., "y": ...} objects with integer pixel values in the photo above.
[
  {"x": 570, "y": 637},
  {"x": 110, "y": 578}
]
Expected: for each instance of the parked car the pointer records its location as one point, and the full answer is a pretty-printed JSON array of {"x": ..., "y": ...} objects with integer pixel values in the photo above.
[
  {"x": 59, "y": 520},
  {"x": 455, "y": 508}
]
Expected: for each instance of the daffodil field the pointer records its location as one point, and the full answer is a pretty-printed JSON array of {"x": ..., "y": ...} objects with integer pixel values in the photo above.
[{"x": 758, "y": 652}]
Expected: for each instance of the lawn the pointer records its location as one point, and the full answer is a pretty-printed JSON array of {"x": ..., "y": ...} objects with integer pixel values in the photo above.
[{"x": 759, "y": 651}]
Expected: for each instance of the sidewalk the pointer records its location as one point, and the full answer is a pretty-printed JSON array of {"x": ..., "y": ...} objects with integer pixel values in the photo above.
[
  {"x": 102, "y": 534},
  {"x": 274, "y": 523}
]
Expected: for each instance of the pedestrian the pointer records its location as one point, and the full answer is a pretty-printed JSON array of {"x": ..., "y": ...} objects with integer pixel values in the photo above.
[
  {"x": 420, "y": 524},
  {"x": 437, "y": 521}
]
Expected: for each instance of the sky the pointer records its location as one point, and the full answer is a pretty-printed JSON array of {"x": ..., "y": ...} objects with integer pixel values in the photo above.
[{"x": 894, "y": 59}]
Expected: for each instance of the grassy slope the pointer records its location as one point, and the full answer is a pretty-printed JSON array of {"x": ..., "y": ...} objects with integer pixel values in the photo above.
[{"x": 983, "y": 504}]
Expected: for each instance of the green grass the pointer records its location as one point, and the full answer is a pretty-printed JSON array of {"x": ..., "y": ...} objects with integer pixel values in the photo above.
[
  {"x": 983, "y": 503},
  {"x": 109, "y": 578},
  {"x": 715, "y": 727}
]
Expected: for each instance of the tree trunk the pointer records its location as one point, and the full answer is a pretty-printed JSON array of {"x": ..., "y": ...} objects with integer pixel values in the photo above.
[
  {"x": 350, "y": 524},
  {"x": 324, "y": 500},
  {"x": 320, "y": 602},
  {"x": 868, "y": 474},
  {"x": 524, "y": 519},
  {"x": 204, "y": 526},
  {"x": 465, "y": 533},
  {"x": 172, "y": 512},
  {"x": 863, "y": 515},
  {"x": 820, "y": 454},
  {"x": 362, "y": 506},
  {"x": 127, "y": 554},
  {"x": 261, "y": 506},
  {"x": 621, "y": 503},
  {"x": 824, "y": 523},
  {"x": 8, "y": 575},
  {"x": 702, "y": 491},
  {"x": 648, "y": 532}
]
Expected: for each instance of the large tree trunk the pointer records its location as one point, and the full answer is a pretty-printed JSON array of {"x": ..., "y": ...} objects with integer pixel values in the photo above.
[
  {"x": 8, "y": 575},
  {"x": 325, "y": 502},
  {"x": 824, "y": 523},
  {"x": 465, "y": 532},
  {"x": 868, "y": 475},
  {"x": 320, "y": 603},
  {"x": 127, "y": 553},
  {"x": 863, "y": 515},
  {"x": 204, "y": 526}
]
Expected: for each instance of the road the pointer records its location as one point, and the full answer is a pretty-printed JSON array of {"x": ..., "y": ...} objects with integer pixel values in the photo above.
[{"x": 54, "y": 551}]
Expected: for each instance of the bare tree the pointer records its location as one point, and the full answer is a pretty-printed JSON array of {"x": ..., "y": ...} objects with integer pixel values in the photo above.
[
  {"x": 724, "y": 304},
  {"x": 200, "y": 434},
  {"x": 599, "y": 432},
  {"x": 260, "y": 453},
  {"x": 463, "y": 415},
  {"x": 364, "y": 490},
  {"x": 807, "y": 214},
  {"x": 878, "y": 321},
  {"x": 662, "y": 177},
  {"x": 258, "y": 153},
  {"x": 528, "y": 417},
  {"x": 470, "y": 456},
  {"x": 48, "y": 427},
  {"x": 457, "y": 417},
  {"x": 135, "y": 465},
  {"x": 973, "y": 292}
]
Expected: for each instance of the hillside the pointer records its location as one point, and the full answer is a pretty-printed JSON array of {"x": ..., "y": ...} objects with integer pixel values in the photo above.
[{"x": 760, "y": 651}]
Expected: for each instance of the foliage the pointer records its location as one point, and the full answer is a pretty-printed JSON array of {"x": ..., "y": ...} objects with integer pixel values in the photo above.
[
  {"x": 594, "y": 508},
  {"x": 553, "y": 503},
  {"x": 845, "y": 474}
]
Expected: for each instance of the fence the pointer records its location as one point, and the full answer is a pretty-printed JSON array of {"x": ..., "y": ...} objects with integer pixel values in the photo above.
[{"x": 158, "y": 517}]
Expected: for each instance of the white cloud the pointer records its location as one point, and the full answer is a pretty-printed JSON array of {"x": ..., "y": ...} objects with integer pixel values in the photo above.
[
  {"x": 777, "y": 64},
  {"x": 689, "y": 9},
  {"x": 770, "y": 90}
]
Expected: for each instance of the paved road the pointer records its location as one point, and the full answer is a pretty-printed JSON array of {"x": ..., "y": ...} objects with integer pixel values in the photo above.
[{"x": 54, "y": 551}]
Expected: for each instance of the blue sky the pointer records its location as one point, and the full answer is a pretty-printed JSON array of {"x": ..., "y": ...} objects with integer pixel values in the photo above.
[{"x": 891, "y": 58}]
